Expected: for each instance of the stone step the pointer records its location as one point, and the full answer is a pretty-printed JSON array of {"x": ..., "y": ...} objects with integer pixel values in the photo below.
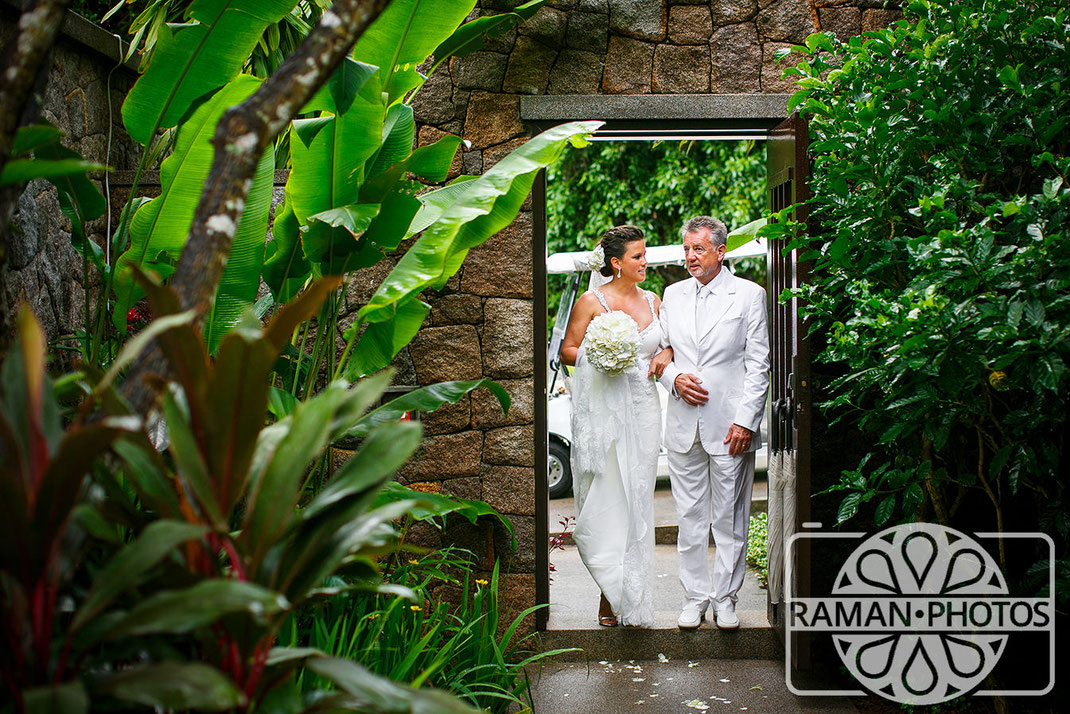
[
  {"x": 671, "y": 686},
  {"x": 754, "y": 639}
]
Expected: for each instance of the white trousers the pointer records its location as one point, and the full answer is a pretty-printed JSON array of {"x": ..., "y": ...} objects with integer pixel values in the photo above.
[{"x": 712, "y": 494}]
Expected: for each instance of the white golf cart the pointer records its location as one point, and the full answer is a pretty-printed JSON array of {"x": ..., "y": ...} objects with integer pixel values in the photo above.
[{"x": 559, "y": 407}]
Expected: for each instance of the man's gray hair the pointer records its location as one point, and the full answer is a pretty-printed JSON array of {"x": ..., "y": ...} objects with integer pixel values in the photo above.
[{"x": 718, "y": 231}]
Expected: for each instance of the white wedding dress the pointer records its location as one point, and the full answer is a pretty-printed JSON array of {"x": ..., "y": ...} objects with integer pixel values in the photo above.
[{"x": 616, "y": 430}]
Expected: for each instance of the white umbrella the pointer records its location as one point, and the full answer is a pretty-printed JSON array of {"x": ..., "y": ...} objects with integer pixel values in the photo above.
[{"x": 774, "y": 544}]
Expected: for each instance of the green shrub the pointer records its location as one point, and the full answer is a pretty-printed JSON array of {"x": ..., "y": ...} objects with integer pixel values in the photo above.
[
  {"x": 942, "y": 269},
  {"x": 757, "y": 557},
  {"x": 656, "y": 186}
]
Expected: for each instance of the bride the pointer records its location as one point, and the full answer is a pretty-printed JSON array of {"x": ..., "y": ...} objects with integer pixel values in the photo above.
[{"x": 616, "y": 430}]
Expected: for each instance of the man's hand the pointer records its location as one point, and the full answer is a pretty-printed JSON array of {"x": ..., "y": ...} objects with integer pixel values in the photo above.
[
  {"x": 659, "y": 363},
  {"x": 738, "y": 439},
  {"x": 688, "y": 386}
]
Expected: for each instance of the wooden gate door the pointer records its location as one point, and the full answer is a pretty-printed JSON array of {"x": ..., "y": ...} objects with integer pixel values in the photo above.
[{"x": 789, "y": 430}]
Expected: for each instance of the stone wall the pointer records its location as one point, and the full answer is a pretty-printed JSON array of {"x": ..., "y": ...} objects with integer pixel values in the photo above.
[
  {"x": 481, "y": 324},
  {"x": 39, "y": 265}
]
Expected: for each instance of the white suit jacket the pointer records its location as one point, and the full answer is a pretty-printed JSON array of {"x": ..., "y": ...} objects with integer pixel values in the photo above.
[{"x": 731, "y": 359}]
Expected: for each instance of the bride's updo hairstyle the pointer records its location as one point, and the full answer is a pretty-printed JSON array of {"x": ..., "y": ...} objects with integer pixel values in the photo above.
[{"x": 613, "y": 244}]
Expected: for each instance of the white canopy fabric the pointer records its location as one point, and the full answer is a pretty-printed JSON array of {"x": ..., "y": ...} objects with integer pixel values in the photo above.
[{"x": 560, "y": 263}]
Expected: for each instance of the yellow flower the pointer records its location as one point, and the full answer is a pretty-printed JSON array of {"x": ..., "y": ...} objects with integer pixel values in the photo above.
[
  {"x": 373, "y": 616},
  {"x": 998, "y": 380},
  {"x": 416, "y": 608},
  {"x": 414, "y": 562},
  {"x": 480, "y": 581}
]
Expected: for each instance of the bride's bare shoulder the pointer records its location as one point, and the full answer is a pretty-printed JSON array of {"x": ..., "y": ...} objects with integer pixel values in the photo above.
[{"x": 587, "y": 301}]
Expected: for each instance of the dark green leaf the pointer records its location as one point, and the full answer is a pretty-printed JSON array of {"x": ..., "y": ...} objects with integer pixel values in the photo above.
[
  {"x": 281, "y": 403},
  {"x": 19, "y": 170},
  {"x": 436, "y": 505},
  {"x": 884, "y": 510},
  {"x": 68, "y": 698},
  {"x": 174, "y": 686},
  {"x": 29, "y": 138},
  {"x": 427, "y": 399},
  {"x": 380, "y": 342},
  {"x": 124, "y": 571},
  {"x": 999, "y": 460},
  {"x": 206, "y": 602},
  {"x": 848, "y": 507},
  {"x": 383, "y": 451},
  {"x": 471, "y": 36}
]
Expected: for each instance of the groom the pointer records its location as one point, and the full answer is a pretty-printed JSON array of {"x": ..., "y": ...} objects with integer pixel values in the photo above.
[{"x": 716, "y": 325}]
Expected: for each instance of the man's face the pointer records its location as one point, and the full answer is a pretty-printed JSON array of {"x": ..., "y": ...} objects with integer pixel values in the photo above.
[{"x": 702, "y": 259}]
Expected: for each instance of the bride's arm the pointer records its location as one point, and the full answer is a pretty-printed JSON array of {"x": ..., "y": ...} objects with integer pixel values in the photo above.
[
  {"x": 659, "y": 362},
  {"x": 582, "y": 313},
  {"x": 662, "y": 359}
]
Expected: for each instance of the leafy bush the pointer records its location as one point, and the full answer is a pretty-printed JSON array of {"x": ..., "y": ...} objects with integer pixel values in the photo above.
[
  {"x": 656, "y": 186},
  {"x": 940, "y": 235},
  {"x": 757, "y": 556}
]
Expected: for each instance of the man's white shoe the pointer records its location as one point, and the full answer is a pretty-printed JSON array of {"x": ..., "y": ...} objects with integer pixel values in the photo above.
[
  {"x": 690, "y": 618},
  {"x": 726, "y": 619}
]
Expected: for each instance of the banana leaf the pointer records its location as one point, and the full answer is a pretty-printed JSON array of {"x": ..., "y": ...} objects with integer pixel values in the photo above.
[
  {"x": 406, "y": 34},
  {"x": 192, "y": 60},
  {"x": 486, "y": 205},
  {"x": 427, "y": 399},
  {"x": 162, "y": 225},
  {"x": 470, "y": 36}
]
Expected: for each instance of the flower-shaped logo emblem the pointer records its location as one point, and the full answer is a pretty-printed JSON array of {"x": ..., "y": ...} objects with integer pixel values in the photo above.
[{"x": 921, "y": 572}]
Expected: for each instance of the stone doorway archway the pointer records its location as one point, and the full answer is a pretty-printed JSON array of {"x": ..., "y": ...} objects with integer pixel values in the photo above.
[{"x": 650, "y": 117}]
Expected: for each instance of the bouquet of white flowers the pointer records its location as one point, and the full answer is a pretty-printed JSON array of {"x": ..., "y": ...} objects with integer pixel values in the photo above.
[{"x": 612, "y": 342}]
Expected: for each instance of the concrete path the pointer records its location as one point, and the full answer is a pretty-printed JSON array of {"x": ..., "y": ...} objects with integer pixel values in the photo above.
[
  {"x": 574, "y": 594},
  {"x": 660, "y": 669}
]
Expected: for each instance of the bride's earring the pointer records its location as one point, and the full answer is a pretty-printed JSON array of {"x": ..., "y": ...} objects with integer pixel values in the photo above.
[{"x": 618, "y": 272}]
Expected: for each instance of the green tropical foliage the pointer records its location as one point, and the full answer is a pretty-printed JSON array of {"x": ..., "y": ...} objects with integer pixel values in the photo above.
[
  {"x": 940, "y": 175},
  {"x": 199, "y": 555},
  {"x": 656, "y": 186},
  {"x": 757, "y": 547},
  {"x": 425, "y": 638},
  {"x": 155, "y": 565},
  {"x": 349, "y": 199}
]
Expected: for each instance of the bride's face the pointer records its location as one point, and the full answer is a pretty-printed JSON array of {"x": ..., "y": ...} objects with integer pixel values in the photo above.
[{"x": 633, "y": 262}]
